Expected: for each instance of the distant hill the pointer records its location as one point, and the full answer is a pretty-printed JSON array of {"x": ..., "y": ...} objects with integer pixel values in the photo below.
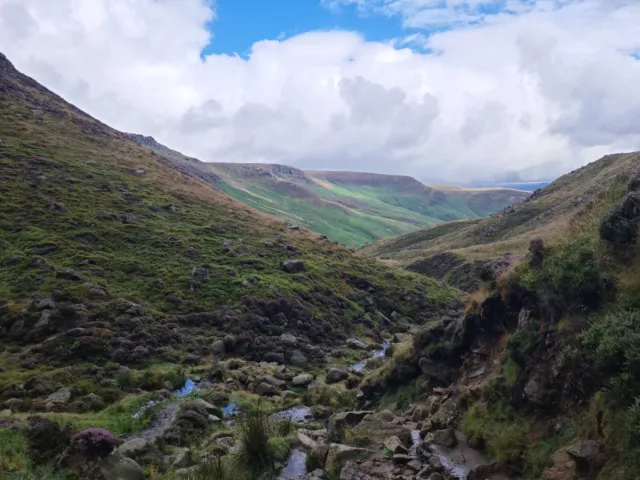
[
  {"x": 349, "y": 207},
  {"x": 447, "y": 249}
]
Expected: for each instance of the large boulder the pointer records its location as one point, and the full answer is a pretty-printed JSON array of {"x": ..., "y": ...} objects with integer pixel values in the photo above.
[
  {"x": 218, "y": 347},
  {"x": 588, "y": 455},
  {"x": 341, "y": 421},
  {"x": 266, "y": 390},
  {"x": 293, "y": 266},
  {"x": 59, "y": 397},
  {"x": 357, "y": 344},
  {"x": 118, "y": 467},
  {"x": 445, "y": 417},
  {"x": 395, "y": 446},
  {"x": 271, "y": 380},
  {"x": 298, "y": 359},
  {"x": 302, "y": 380},
  {"x": 339, "y": 454},
  {"x": 446, "y": 437},
  {"x": 336, "y": 375}
]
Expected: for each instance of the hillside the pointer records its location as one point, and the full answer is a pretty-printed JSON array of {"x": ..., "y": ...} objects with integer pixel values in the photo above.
[
  {"x": 123, "y": 275},
  {"x": 458, "y": 250},
  {"x": 349, "y": 207}
]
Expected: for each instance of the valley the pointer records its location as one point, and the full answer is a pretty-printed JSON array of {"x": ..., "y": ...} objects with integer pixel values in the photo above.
[{"x": 163, "y": 319}]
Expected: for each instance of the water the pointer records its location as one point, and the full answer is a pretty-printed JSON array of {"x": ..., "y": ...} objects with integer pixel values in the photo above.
[
  {"x": 415, "y": 441},
  {"x": 360, "y": 366},
  {"x": 295, "y": 468},
  {"x": 230, "y": 410},
  {"x": 188, "y": 387},
  {"x": 295, "y": 414}
]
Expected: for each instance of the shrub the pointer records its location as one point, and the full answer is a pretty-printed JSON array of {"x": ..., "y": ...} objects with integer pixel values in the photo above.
[
  {"x": 94, "y": 442},
  {"x": 255, "y": 452}
]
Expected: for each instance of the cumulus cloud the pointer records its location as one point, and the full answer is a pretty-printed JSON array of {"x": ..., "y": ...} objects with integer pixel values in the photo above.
[{"x": 528, "y": 90}]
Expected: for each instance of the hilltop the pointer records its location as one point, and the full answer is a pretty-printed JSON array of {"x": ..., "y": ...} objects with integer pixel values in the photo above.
[{"x": 349, "y": 207}]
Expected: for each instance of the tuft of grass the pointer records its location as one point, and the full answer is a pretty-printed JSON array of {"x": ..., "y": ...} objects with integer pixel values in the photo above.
[
  {"x": 475, "y": 300},
  {"x": 255, "y": 453}
]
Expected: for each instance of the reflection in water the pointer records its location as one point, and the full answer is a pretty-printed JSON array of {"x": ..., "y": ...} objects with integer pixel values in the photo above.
[
  {"x": 295, "y": 468},
  {"x": 358, "y": 367}
]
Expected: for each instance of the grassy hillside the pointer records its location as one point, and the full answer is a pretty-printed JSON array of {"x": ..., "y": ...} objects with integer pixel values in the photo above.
[
  {"x": 441, "y": 250},
  {"x": 123, "y": 273},
  {"x": 347, "y": 207}
]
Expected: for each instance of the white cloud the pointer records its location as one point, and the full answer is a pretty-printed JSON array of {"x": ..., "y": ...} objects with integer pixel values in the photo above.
[{"x": 539, "y": 93}]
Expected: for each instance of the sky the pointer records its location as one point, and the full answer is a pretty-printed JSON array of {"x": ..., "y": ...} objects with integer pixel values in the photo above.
[{"x": 459, "y": 91}]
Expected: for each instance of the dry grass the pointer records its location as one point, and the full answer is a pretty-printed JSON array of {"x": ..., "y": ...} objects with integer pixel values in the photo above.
[{"x": 475, "y": 300}]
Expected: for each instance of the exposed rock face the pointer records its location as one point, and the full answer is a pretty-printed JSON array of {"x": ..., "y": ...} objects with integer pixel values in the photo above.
[
  {"x": 340, "y": 421},
  {"x": 437, "y": 371},
  {"x": 118, "y": 467}
]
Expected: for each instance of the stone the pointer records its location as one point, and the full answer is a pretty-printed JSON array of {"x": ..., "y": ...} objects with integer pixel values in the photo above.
[
  {"x": 183, "y": 459},
  {"x": 273, "y": 357},
  {"x": 60, "y": 397},
  {"x": 443, "y": 418},
  {"x": 415, "y": 465},
  {"x": 438, "y": 371},
  {"x": 481, "y": 472},
  {"x": 302, "y": 380},
  {"x": 118, "y": 467},
  {"x": 271, "y": 380},
  {"x": 289, "y": 395},
  {"x": 341, "y": 421},
  {"x": 357, "y": 344},
  {"x": 401, "y": 459},
  {"x": 43, "y": 321},
  {"x": 134, "y": 447},
  {"x": 536, "y": 390},
  {"x": 387, "y": 416},
  {"x": 218, "y": 347},
  {"x": 436, "y": 476},
  {"x": 588, "y": 455},
  {"x": 298, "y": 359},
  {"x": 335, "y": 375},
  {"x": 306, "y": 441},
  {"x": 435, "y": 463},
  {"x": 97, "y": 293},
  {"x": 45, "y": 304},
  {"x": 339, "y": 454},
  {"x": 394, "y": 445},
  {"x": 203, "y": 404},
  {"x": 14, "y": 403},
  {"x": 293, "y": 266},
  {"x": 446, "y": 438},
  {"x": 289, "y": 339},
  {"x": 266, "y": 389}
]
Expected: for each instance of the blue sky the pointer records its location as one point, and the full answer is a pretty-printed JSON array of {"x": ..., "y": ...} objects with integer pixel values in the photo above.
[{"x": 241, "y": 23}]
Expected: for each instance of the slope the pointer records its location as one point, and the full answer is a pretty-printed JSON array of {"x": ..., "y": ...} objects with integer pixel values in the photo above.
[
  {"x": 351, "y": 208},
  {"x": 455, "y": 249},
  {"x": 122, "y": 274}
]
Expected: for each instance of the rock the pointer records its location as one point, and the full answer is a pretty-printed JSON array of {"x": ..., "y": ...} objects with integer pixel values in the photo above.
[
  {"x": 357, "y": 344},
  {"x": 218, "y": 347},
  {"x": 273, "y": 357},
  {"x": 71, "y": 275},
  {"x": 271, "y": 380},
  {"x": 14, "y": 403},
  {"x": 395, "y": 446},
  {"x": 230, "y": 342},
  {"x": 44, "y": 249},
  {"x": 266, "y": 389},
  {"x": 45, "y": 439},
  {"x": 481, "y": 472},
  {"x": 182, "y": 459},
  {"x": 60, "y": 397},
  {"x": 341, "y": 421},
  {"x": 118, "y": 467},
  {"x": 134, "y": 447},
  {"x": 443, "y": 418},
  {"x": 401, "y": 459},
  {"x": 338, "y": 454},
  {"x": 298, "y": 359},
  {"x": 536, "y": 389},
  {"x": 289, "y": 395},
  {"x": 288, "y": 339},
  {"x": 293, "y": 266},
  {"x": 588, "y": 455},
  {"x": 206, "y": 406},
  {"x": 415, "y": 465},
  {"x": 446, "y": 438},
  {"x": 336, "y": 375},
  {"x": 438, "y": 371},
  {"x": 43, "y": 321},
  {"x": 387, "y": 416},
  {"x": 302, "y": 380},
  {"x": 436, "y": 476},
  {"x": 306, "y": 441},
  {"x": 97, "y": 293},
  {"x": 435, "y": 463},
  {"x": 45, "y": 304}
]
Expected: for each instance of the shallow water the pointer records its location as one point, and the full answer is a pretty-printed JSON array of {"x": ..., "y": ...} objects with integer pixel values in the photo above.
[
  {"x": 295, "y": 414},
  {"x": 360, "y": 366},
  {"x": 188, "y": 387},
  {"x": 230, "y": 410},
  {"x": 295, "y": 468}
]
